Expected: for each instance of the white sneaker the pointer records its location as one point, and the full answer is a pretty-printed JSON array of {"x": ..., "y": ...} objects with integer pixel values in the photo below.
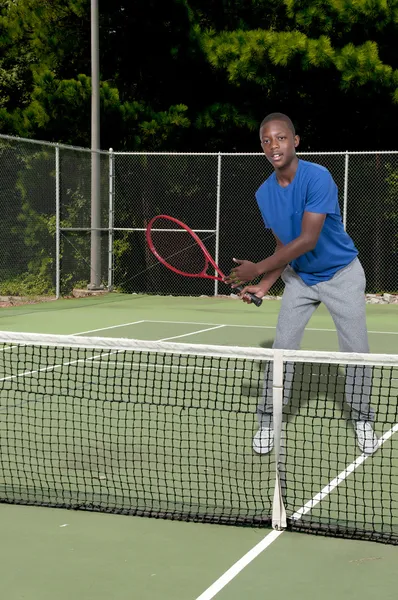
[
  {"x": 367, "y": 439},
  {"x": 263, "y": 441}
]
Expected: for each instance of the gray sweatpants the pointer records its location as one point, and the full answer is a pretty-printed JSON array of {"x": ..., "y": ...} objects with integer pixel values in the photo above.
[{"x": 344, "y": 297}]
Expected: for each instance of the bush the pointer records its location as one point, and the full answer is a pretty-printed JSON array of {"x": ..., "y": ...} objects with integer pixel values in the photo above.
[{"x": 27, "y": 284}]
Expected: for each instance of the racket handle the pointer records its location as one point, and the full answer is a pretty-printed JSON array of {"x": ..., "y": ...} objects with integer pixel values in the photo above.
[{"x": 255, "y": 299}]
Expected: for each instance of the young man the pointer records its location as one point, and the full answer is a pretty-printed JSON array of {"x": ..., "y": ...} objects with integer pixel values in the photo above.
[{"x": 318, "y": 263}]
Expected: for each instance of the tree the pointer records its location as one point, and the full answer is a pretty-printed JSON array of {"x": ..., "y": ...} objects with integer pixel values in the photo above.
[
  {"x": 189, "y": 75},
  {"x": 200, "y": 74},
  {"x": 315, "y": 60},
  {"x": 47, "y": 88}
]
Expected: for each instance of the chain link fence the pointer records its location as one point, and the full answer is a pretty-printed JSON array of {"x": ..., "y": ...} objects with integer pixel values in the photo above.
[
  {"x": 183, "y": 186},
  {"x": 27, "y": 224},
  {"x": 45, "y": 197},
  {"x": 75, "y": 218}
]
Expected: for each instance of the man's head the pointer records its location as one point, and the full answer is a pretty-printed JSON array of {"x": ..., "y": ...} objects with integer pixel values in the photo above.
[{"x": 278, "y": 139}]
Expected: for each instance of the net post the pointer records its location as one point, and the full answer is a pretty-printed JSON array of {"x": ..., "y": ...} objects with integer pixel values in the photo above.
[
  {"x": 345, "y": 199},
  {"x": 278, "y": 508},
  {"x": 57, "y": 227},
  {"x": 217, "y": 249},
  {"x": 111, "y": 218}
]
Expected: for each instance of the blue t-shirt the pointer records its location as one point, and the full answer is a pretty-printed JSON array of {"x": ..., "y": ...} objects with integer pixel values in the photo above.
[{"x": 312, "y": 190}]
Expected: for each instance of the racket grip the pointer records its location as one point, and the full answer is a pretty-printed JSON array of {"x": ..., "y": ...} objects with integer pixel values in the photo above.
[{"x": 255, "y": 299}]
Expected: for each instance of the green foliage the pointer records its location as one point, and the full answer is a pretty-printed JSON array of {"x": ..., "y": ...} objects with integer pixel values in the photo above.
[
  {"x": 249, "y": 55},
  {"x": 45, "y": 83},
  {"x": 222, "y": 116},
  {"x": 27, "y": 285},
  {"x": 28, "y": 227},
  {"x": 223, "y": 65},
  {"x": 391, "y": 204}
]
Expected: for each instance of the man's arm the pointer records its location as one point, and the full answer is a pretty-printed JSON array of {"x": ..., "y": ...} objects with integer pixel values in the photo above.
[
  {"x": 266, "y": 282},
  {"x": 272, "y": 276},
  {"x": 311, "y": 228}
]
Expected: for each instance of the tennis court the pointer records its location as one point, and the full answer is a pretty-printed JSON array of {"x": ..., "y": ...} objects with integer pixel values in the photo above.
[{"x": 52, "y": 552}]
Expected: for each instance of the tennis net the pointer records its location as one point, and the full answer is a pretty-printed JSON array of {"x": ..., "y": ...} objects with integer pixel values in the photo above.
[{"x": 165, "y": 430}]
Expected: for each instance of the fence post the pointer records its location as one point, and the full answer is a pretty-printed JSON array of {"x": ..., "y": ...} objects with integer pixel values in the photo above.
[
  {"x": 345, "y": 200},
  {"x": 216, "y": 256},
  {"x": 111, "y": 219},
  {"x": 57, "y": 227}
]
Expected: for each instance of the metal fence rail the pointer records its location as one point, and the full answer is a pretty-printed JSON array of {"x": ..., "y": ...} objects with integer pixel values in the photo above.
[{"x": 45, "y": 197}]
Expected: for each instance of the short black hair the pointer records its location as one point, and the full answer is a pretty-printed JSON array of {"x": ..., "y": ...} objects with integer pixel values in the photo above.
[{"x": 279, "y": 117}]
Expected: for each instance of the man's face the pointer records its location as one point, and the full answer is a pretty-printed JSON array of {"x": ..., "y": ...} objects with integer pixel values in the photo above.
[{"x": 279, "y": 143}]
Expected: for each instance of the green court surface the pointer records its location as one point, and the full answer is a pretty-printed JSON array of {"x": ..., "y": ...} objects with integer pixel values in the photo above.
[{"x": 55, "y": 553}]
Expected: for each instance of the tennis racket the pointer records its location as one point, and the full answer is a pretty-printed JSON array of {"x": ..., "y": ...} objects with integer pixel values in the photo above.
[{"x": 183, "y": 253}]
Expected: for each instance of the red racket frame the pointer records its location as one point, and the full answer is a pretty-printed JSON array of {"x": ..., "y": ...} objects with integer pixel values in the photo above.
[{"x": 208, "y": 258}]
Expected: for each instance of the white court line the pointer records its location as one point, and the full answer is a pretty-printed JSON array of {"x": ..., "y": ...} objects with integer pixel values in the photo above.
[
  {"x": 53, "y": 367},
  {"x": 110, "y": 327},
  {"x": 83, "y": 332},
  {"x": 218, "y": 585},
  {"x": 260, "y": 326},
  {"x": 4, "y": 348},
  {"x": 214, "y": 326},
  {"x": 340, "y": 477},
  {"x": 91, "y": 358},
  {"x": 157, "y": 367},
  {"x": 236, "y": 568},
  {"x": 174, "y": 337}
]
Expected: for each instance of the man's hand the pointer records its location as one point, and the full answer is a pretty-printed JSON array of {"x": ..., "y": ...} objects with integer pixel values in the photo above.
[
  {"x": 257, "y": 290},
  {"x": 246, "y": 271}
]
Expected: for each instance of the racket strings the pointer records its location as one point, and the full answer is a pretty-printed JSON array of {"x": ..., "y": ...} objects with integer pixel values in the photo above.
[
  {"x": 176, "y": 246},
  {"x": 156, "y": 263}
]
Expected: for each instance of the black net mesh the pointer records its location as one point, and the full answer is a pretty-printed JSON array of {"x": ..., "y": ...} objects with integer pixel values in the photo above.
[{"x": 166, "y": 431}]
